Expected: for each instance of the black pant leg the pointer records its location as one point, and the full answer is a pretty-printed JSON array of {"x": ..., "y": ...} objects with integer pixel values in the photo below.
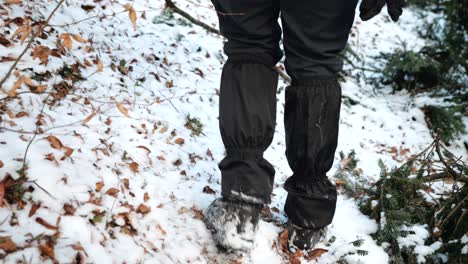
[
  {"x": 315, "y": 32},
  {"x": 247, "y": 105}
]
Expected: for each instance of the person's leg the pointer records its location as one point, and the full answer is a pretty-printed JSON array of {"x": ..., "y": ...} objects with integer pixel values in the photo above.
[
  {"x": 247, "y": 108},
  {"x": 247, "y": 105},
  {"x": 315, "y": 32}
]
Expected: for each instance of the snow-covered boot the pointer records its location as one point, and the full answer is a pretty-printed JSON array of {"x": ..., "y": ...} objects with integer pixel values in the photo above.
[
  {"x": 300, "y": 238},
  {"x": 233, "y": 223}
]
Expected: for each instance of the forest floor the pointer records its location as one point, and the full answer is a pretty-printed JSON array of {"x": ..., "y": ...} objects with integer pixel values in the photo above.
[{"x": 124, "y": 158}]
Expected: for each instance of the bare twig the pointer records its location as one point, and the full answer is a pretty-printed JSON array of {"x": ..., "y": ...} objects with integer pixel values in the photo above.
[
  {"x": 283, "y": 75},
  {"x": 30, "y": 43},
  {"x": 170, "y": 4}
]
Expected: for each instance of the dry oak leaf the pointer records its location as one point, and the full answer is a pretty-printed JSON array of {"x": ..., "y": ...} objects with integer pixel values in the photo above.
[
  {"x": 283, "y": 240},
  {"x": 42, "y": 53},
  {"x": 179, "y": 141},
  {"x": 28, "y": 81},
  {"x": 207, "y": 189},
  {"x": 315, "y": 253},
  {"x": 1, "y": 164},
  {"x": 16, "y": 85},
  {"x": 134, "y": 167},
  {"x": 404, "y": 151},
  {"x": 99, "y": 186},
  {"x": 34, "y": 208},
  {"x": 25, "y": 34},
  {"x": 89, "y": 118},
  {"x": 131, "y": 14},
  {"x": 10, "y": 113},
  {"x": 143, "y": 209},
  {"x": 68, "y": 152},
  {"x": 47, "y": 250},
  {"x": 66, "y": 40},
  {"x": 78, "y": 38},
  {"x": 21, "y": 114},
  {"x": 100, "y": 66},
  {"x": 50, "y": 157},
  {"x": 40, "y": 88},
  {"x": 4, "y": 41},
  {"x": 122, "y": 109},
  {"x": 7, "y": 244},
  {"x": 113, "y": 192},
  {"x": 24, "y": 31},
  {"x": 54, "y": 142},
  {"x": 45, "y": 224},
  {"x": 69, "y": 209}
]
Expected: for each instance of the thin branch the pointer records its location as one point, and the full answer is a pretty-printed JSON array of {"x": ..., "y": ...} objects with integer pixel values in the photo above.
[
  {"x": 283, "y": 75},
  {"x": 30, "y": 43},
  {"x": 170, "y": 4}
]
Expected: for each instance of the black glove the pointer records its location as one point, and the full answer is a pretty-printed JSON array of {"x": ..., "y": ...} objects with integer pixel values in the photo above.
[{"x": 370, "y": 8}]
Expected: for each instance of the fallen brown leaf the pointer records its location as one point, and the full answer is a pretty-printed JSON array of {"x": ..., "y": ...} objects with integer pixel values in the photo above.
[
  {"x": 69, "y": 209},
  {"x": 21, "y": 114},
  {"x": 41, "y": 88},
  {"x": 162, "y": 230},
  {"x": 47, "y": 250},
  {"x": 28, "y": 81},
  {"x": 89, "y": 118},
  {"x": 99, "y": 186},
  {"x": 45, "y": 224},
  {"x": 131, "y": 15},
  {"x": 4, "y": 41},
  {"x": 100, "y": 66},
  {"x": 34, "y": 208},
  {"x": 16, "y": 85},
  {"x": 78, "y": 38},
  {"x": 143, "y": 209},
  {"x": 66, "y": 40},
  {"x": 283, "y": 240},
  {"x": 113, "y": 192},
  {"x": 42, "y": 53},
  {"x": 68, "y": 152},
  {"x": 122, "y": 109},
  {"x": 207, "y": 189},
  {"x": 179, "y": 141},
  {"x": 54, "y": 142},
  {"x": 315, "y": 253},
  {"x": 7, "y": 244},
  {"x": 134, "y": 167}
]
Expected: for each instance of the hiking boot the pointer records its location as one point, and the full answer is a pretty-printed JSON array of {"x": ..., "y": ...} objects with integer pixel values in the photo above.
[
  {"x": 233, "y": 223},
  {"x": 300, "y": 238}
]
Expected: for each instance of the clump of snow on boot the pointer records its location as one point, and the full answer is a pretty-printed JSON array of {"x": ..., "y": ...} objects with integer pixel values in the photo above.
[{"x": 233, "y": 224}]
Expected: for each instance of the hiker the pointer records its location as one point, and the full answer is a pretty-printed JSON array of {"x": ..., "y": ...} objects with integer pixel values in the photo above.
[{"x": 314, "y": 33}]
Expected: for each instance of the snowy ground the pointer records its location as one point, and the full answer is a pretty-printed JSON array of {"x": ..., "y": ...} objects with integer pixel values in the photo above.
[{"x": 134, "y": 186}]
